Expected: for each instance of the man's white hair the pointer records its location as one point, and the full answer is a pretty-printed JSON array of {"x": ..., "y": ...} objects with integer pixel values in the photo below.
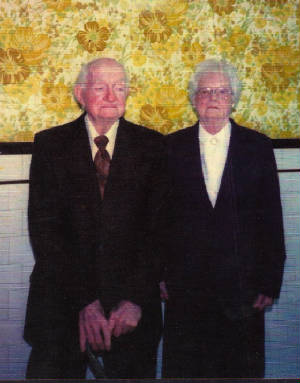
[{"x": 82, "y": 77}]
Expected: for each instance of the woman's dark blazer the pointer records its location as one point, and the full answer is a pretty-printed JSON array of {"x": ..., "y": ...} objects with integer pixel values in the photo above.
[{"x": 234, "y": 251}]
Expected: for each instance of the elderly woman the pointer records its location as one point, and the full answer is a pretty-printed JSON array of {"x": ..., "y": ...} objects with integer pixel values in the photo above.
[{"x": 225, "y": 248}]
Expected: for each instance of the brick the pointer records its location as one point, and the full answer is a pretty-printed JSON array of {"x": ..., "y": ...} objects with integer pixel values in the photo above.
[
  {"x": 10, "y": 274},
  {"x": 18, "y": 196},
  {"x": 289, "y": 182},
  {"x": 291, "y": 225},
  {"x": 11, "y": 333},
  {"x": 26, "y": 160},
  {"x": 4, "y": 354},
  {"x": 4, "y": 199},
  {"x": 20, "y": 352},
  {"x": 20, "y": 251},
  {"x": 4, "y": 297},
  {"x": 17, "y": 314},
  {"x": 18, "y": 297},
  {"x": 4, "y": 314},
  {"x": 11, "y": 167},
  {"x": 26, "y": 272},
  {"x": 10, "y": 223},
  {"x": 291, "y": 204},
  {"x": 287, "y": 159}
]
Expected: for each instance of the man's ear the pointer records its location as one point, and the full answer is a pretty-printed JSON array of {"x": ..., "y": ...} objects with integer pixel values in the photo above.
[{"x": 78, "y": 89}]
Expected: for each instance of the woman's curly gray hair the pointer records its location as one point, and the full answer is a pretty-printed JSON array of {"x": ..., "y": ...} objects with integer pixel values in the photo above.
[{"x": 215, "y": 66}]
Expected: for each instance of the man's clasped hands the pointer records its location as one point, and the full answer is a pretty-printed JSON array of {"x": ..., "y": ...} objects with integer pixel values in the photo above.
[{"x": 96, "y": 329}]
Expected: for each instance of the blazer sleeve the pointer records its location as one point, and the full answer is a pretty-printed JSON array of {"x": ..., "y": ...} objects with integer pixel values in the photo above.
[
  {"x": 270, "y": 226},
  {"x": 57, "y": 271}
]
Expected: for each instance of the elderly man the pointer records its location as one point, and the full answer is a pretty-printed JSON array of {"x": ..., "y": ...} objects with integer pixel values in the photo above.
[
  {"x": 224, "y": 237},
  {"x": 95, "y": 191}
]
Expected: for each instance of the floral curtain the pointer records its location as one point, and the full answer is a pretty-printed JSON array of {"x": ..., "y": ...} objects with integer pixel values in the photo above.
[{"x": 43, "y": 44}]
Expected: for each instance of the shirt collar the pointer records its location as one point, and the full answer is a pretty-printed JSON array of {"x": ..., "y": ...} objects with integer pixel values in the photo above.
[
  {"x": 110, "y": 134},
  {"x": 221, "y": 136}
]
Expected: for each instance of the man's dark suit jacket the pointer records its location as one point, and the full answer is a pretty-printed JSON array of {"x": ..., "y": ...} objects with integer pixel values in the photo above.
[
  {"x": 87, "y": 249},
  {"x": 235, "y": 251}
]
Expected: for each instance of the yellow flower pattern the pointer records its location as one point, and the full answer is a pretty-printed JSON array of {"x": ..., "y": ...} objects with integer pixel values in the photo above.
[
  {"x": 155, "y": 26},
  {"x": 155, "y": 117},
  {"x": 94, "y": 37},
  {"x": 239, "y": 40},
  {"x": 32, "y": 46},
  {"x": 192, "y": 54},
  {"x": 57, "y": 5},
  {"x": 166, "y": 49},
  {"x": 56, "y": 97},
  {"x": 43, "y": 44},
  {"x": 13, "y": 69},
  {"x": 175, "y": 11},
  {"x": 222, "y": 7}
]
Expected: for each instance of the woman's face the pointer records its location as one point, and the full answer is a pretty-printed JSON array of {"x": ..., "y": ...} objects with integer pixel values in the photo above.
[{"x": 214, "y": 99}]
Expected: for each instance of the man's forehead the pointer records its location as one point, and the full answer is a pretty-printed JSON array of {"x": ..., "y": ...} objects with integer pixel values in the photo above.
[{"x": 106, "y": 70}]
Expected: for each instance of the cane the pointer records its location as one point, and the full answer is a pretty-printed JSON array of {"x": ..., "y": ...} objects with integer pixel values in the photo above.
[{"x": 94, "y": 363}]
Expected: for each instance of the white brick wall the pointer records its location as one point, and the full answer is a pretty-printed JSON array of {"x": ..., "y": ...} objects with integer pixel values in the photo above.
[
  {"x": 283, "y": 321},
  {"x": 16, "y": 260}
]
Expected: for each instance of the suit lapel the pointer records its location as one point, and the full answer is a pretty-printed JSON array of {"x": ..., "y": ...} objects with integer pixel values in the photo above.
[
  {"x": 189, "y": 163},
  {"x": 232, "y": 164},
  {"x": 123, "y": 161},
  {"x": 123, "y": 172},
  {"x": 81, "y": 166},
  {"x": 202, "y": 184}
]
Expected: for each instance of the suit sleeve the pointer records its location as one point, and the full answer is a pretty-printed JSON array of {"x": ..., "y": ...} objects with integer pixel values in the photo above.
[
  {"x": 143, "y": 281},
  {"x": 164, "y": 218},
  {"x": 157, "y": 204},
  {"x": 271, "y": 227},
  {"x": 57, "y": 272}
]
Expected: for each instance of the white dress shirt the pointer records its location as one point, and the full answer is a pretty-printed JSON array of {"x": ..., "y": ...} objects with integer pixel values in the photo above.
[
  {"x": 111, "y": 135},
  {"x": 214, "y": 149}
]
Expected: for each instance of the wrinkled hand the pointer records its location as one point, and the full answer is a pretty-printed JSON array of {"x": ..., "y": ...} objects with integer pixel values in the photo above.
[
  {"x": 93, "y": 327},
  {"x": 124, "y": 318},
  {"x": 164, "y": 295},
  {"x": 262, "y": 302}
]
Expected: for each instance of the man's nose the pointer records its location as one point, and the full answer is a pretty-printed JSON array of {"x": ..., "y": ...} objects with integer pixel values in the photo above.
[{"x": 110, "y": 95}]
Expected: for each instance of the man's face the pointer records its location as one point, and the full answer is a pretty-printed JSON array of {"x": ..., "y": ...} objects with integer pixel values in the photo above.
[
  {"x": 104, "y": 95},
  {"x": 213, "y": 100}
]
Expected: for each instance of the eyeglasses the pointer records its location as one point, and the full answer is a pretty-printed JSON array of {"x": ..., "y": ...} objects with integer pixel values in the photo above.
[{"x": 222, "y": 93}]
